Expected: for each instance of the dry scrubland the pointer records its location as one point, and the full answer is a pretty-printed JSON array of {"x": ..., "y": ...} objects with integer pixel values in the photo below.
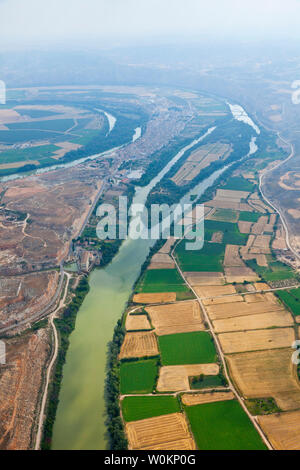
[
  {"x": 167, "y": 432},
  {"x": 20, "y": 382}
]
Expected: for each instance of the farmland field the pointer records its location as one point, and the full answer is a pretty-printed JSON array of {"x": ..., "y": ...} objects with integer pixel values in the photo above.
[
  {"x": 291, "y": 299},
  {"x": 135, "y": 408},
  {"x": 57, "y": 125},
  {"x": 161, "y": 280},
  {"x": 239, "y": 184},
  {"x": 208, "y": 259},
  {"x": 249, "y": 216},
  {"x": 187, "y": 348},
  {"x": 223, "y": 425},
  {"x": 138, "y": 376}
]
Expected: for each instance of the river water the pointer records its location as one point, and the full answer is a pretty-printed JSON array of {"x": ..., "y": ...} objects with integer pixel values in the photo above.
[{"x": 80, "y": 420}]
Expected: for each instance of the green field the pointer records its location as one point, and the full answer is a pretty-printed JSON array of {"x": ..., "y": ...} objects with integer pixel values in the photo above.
[
  {"x": 138, "y": 376},
  {"x": 161, "y": 280},
  {"x": 209, "y": 258},
  {"x": 207, "y": 381},
  {"x": 33, "y": 153},
  {"x": 24, "y": 135},
  {"x": 276, "y": 271},
  {"x": 231, "y": 233},
  {"x": 36, "y": 113},
  {"x": 237, "y": 183},
  {"x": 187, "y": 348},
  {"x": 249, "y": 216},
  {"x": 58, "y": 125},
  {"x": 225, "y": 215},
  {"x": 134, "y": 408},
  {"x": 291, "y": 298},
  {"x": 223, "y": 426}
]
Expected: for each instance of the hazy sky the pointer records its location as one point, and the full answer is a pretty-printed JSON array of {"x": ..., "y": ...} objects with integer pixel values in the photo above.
[{"x": 40, "y": 21}]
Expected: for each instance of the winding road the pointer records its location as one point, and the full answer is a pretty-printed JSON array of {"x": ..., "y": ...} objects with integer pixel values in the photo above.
[{"x": 51, "y": 363}]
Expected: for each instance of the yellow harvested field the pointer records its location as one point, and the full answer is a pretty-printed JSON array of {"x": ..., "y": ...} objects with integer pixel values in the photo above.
[
  {"x": 269, "y": 373},
  {"x": 215, "y": 291},
  {"x": 159, "y": 297},
  {"x": 167, "y": 432},
  {"x": 238, "y": 309},
  {"x": 178, "y": 317},
  {"x": 232, "y": 256},
  {"x": 168, "y": 245},
  {"x": 261, "y": 286},
  {"x": 161, "y": 261},
  {"x": 191, "y": 399},
  {"x": 139, "y": 344},
  {"x": 240, "y": 274},
  {"x": 176, "y": 378},
  {"x": 245, "y": 227},
  {"x": 223, "y": 300},
  {"x": 282, "y": 429},
  {"x": 137, "y": 322},
  {"x": 256, "y": 340},
  {"x": 231, "y": 194},
  {"x": 253, "y": 322},
  {"x": 205, "y": 278}
]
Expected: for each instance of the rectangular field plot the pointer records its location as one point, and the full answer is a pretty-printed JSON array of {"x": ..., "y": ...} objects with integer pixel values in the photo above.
[
  {"x": 161, "y": 280},
  {"x": 187, "y": 348},
  {"x": 231, "y": 233},
  {"x": 60, "y": 125},
  {"x": 154, "y": 298},
  {"x": 179, "y": 317},
  {"x": 192, "y": 399},
  {"x": 254, "y": 322},
  {"x": 238, "y": 309},
  {"x": 137, "y": 322},
  {"x": 282, "y": 429},
  {"x": 176, "y": 378},
  {"x": 139, "y": 344},
  {"x": 209, "y": 258},
  {"x": 168, "y": 432},
  {"x": 138, "y": 376},
  {"x": 291, "y": 298},
  {"x": 267, "y": 374},
  {"x": 256, "y": 340},
  {"x": 223, "y": 426},
  {"x": 135, "y": 408}
]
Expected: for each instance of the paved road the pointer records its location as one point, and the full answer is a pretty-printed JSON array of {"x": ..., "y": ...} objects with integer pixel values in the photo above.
[{"x": 50, "y": 366}]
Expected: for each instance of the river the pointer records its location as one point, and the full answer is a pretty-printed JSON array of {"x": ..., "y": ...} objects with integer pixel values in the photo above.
[{"x": 80, "y": 420}]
